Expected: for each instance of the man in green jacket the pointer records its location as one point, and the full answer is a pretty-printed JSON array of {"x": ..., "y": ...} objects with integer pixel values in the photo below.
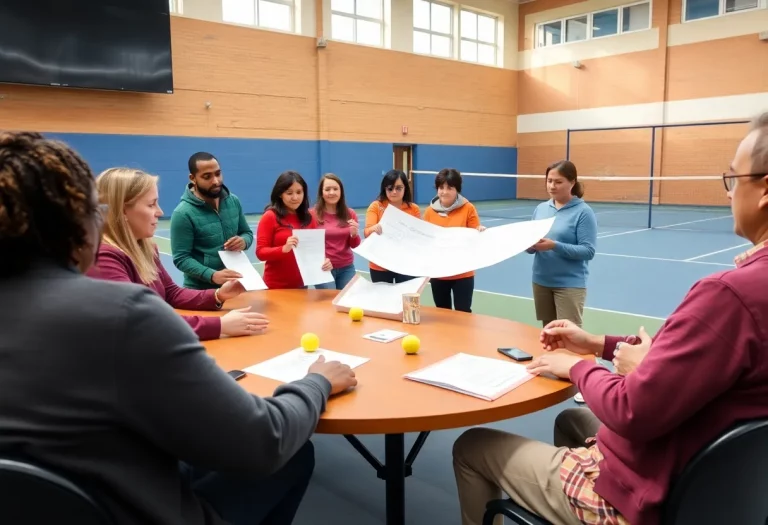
[{"x": 209, "y": 218}]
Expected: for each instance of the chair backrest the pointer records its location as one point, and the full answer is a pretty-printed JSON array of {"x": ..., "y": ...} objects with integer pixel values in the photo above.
[
  {"x": 727, "y": 482},
  {"x": 32, "y": 495}
]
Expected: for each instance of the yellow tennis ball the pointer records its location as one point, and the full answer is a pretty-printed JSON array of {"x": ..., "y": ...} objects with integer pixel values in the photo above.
[
  {"x": 411, "y": 344},
  {"x": 356, "y": 313},
  {"x": 310, "y": 342}
]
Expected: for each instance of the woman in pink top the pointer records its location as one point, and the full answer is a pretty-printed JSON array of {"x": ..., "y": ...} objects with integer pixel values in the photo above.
[
  {"x": 341, "y": 229},
  {"x": 128, "y": 254}
]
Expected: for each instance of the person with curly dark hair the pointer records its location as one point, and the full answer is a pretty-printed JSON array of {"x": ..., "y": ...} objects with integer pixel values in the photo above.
[{"x": 106, "y": 384}]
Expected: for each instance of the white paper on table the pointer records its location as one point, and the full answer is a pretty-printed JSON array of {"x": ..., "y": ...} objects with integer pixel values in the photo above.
[
  {"x": 473, "y": 375},
  {"x": 238, "y": 261},
  {"x": 379, "y": 297},
  {"x": 310, "y": 256},
  {"x": 385, "y": 336},
  {"x": 411, "y": 246},
  {"x": 293, "y": 365}
]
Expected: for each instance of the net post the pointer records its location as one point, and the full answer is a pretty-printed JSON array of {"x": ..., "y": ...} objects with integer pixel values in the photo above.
[
  {"x": 650, "y": 185},
  {"x": 568, "y": 144}
]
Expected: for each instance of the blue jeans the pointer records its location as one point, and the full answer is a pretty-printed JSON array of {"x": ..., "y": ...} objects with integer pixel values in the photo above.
[
  {"x": 341, "y": 277},
  {"x": 246, "y": 500}
]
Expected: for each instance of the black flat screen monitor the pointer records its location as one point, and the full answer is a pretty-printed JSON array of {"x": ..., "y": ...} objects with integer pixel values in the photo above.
[{"x": 122, "y": 45}]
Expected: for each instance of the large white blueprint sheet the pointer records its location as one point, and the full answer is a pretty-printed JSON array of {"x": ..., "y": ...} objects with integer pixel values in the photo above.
[{"x": 418, "y": 248}]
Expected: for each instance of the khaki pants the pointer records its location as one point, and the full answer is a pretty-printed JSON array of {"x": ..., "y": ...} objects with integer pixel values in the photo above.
[
  {"x": 573, "y": 426},
  {"x": 559, "y": 303},
  {"x": 487, "y": 461}
]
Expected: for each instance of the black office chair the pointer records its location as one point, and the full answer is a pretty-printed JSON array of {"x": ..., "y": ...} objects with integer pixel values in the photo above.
[
  {"x": 31, "y": 495},
  {"x": 725, "y": 483}
]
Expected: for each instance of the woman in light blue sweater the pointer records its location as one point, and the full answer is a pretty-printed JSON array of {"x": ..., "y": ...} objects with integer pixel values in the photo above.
[{"x": 560, "y": 264}]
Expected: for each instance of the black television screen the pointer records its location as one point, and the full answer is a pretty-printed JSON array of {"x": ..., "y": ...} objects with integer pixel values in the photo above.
[{"x": 94, "y": 44}]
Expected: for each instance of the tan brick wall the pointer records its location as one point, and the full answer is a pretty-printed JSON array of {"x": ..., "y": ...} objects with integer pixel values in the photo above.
[{"x": 264, "y": 84}]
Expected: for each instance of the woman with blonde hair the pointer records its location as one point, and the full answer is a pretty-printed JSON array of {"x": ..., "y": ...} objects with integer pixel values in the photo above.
[{"x": 127, "y": 253}]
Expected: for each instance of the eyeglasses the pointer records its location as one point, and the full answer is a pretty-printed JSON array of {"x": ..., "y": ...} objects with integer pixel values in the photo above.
[
  {"x": 729, "y": 180},
  {"x": 395, "y": 188}
]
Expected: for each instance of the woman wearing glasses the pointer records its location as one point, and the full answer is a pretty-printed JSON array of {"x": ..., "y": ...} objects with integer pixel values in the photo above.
[{"x": 395, "y": 190}]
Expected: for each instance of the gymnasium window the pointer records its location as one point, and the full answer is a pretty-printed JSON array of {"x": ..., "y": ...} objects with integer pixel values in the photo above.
[
  {"x": 269, "y": 14},
  {"x": 608, "y": 22},
  {"x": 432, "y": 28},
  {"x": 478, "y": 38},
  {"x": 698, "y": 9},
  {"x": 359, "y": 21}
]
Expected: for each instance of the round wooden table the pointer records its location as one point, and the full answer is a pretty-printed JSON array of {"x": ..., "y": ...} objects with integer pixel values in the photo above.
[{"x": 384, "y": 402}]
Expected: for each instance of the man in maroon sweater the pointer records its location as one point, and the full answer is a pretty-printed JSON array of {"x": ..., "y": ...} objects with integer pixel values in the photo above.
[{"x": 706, "y": 369}]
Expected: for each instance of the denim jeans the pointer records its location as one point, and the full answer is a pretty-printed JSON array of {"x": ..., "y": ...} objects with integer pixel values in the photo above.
[
  {"x": 341, "y": 277},
  {"x": 245, "y": 500}
]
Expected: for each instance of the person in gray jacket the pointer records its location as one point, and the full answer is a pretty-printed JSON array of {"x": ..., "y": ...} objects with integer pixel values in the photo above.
[{"x": 105, "y": 384}]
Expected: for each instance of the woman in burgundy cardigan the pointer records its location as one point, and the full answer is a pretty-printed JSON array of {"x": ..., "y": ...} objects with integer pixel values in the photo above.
[{"x": 128, "y": 254}]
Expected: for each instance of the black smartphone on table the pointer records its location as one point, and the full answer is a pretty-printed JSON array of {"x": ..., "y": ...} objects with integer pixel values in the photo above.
[
  {"x": 236, "y": 374},
  {"x": 516, "y": 354}
]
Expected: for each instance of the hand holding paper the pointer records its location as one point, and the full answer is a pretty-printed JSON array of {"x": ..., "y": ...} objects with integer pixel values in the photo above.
[
  {"x": 310, "y": 256},
  {"x": 238, "y": 262}
]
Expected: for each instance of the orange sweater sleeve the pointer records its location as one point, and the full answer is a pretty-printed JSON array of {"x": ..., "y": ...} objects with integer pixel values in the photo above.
[
  {"x": 371, "y": 218},
  {"x": 473, "y": 219}
]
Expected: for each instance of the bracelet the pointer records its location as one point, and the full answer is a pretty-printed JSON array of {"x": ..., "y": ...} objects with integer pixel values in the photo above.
[{"x": 216, "y": 297}]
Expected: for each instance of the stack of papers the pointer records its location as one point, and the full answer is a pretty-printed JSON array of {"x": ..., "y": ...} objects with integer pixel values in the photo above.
[
  {"x": 386, "y": 298},
  {"x": 385, "y": 336},
  {"x": 476, "y": 376},
  {"x": 293, "y": 365}
]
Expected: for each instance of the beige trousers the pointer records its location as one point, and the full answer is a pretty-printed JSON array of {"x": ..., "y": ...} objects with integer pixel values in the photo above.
[
  {"x": 487, "y": 462},
  {"x": 573, "y": 426},
  {"x": 559, "y": 303}
]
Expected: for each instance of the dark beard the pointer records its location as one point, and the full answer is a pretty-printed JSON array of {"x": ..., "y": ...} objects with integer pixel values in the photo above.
[{"x": 207, "y": 193}]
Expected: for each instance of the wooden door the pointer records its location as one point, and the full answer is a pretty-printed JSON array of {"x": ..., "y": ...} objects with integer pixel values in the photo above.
[{"x": 402, "y": 159}]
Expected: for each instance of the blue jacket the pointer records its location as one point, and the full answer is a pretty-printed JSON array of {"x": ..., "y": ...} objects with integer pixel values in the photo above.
[{"x": 575, "y": 236}]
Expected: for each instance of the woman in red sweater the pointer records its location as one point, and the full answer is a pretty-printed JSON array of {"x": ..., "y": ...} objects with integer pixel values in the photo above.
[
  {"x": 341, "y": 229},
  {"x": 288, "y": 210},
  {"x": 128, "y": 254}
]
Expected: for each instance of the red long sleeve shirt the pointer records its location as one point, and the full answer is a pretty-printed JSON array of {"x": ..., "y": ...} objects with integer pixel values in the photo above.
[
  {"x": 707, "y": 369},
  {"x": 280, "y": 268}
]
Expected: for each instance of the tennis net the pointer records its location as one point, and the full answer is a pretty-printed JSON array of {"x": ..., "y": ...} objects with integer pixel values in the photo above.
[{"x": 688, "y": 203}]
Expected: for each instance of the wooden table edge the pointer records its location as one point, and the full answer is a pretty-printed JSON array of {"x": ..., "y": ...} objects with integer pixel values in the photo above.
[{"x": 492, "y": 414}]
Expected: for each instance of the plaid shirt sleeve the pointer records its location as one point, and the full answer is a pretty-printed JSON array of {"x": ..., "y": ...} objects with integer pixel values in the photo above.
[{"x": 578, "y": 472}]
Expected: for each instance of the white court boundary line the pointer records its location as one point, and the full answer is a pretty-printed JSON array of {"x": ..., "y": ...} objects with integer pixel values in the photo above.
[
  {"x": 662, "y": 259},
  {"x": 616, "y": 312},
  {"x": 664, "y": 227},
  {"x": 694, "y": 259}
]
